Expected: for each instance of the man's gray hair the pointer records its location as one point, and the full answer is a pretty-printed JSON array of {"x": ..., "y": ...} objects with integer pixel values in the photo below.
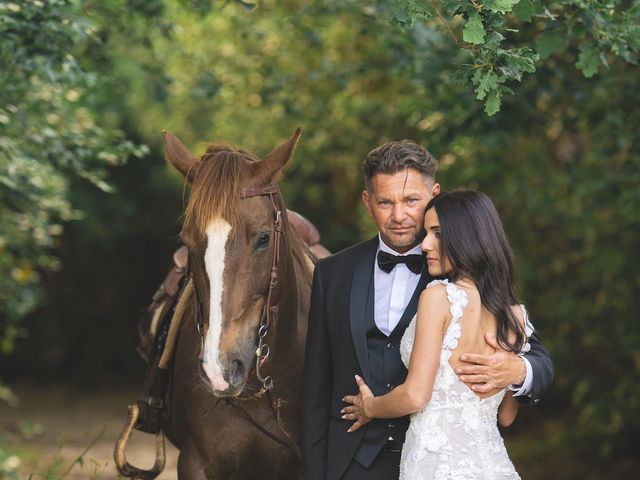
[{"x": 393, "y": 157}]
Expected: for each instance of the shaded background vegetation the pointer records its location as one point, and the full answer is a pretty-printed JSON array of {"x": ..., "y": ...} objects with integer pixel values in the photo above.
[{"x": 90, "y": 212}]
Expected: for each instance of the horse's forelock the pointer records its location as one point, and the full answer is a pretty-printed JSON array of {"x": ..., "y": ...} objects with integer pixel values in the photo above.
[
  {"x": 216, "y": 189},
  {"x": 215, "y": 148}
]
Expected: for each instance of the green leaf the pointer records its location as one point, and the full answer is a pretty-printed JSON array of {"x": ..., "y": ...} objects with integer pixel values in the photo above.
[
  {"x": 474, "y": 31},
  {"x": 522, "y": 60},
  {"x": 492, "y": 105},
  {"x": 549, "y": 43},
  {"x": 524, "y": 10},
  {"x": 588, "y": 61},
  {"x": 499, "y": 6},
  {"x": 486, "y": 81},
  {"x": 493, "y": 40},
  {"x": 511, "y": 73},
  {"x": 456, "y": 6},
  {"x": 406, "y": 17},
  {"x": 504, "y": 89}
]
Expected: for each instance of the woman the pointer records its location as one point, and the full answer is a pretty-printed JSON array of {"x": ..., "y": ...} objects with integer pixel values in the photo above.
[{"x": 453, "y": 432}]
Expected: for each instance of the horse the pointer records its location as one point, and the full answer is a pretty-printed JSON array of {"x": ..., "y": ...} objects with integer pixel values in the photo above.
[{"x": 234, "y": 398}]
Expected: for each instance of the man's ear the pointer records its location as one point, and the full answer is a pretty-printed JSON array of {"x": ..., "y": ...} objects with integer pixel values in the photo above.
[
  {"x": 366, "y": 199},
  {"x": 435, "y": 191}
]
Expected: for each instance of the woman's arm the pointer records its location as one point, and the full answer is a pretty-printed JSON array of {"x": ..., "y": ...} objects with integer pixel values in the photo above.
[
  {"x": 415, "y": 392},
  {"x": 508, "y": 410}
]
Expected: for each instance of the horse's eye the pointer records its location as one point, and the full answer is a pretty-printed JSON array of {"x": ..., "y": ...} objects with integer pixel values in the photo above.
[{"x": 262, "y": 241}]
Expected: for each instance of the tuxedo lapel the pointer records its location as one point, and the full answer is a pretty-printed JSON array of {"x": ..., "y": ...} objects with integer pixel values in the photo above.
[
  {"x": 412, "y": 307},
  {"x": 359, "y": 302}
]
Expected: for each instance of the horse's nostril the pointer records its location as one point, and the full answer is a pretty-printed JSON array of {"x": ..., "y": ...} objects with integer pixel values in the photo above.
[{"x": 237, "y": 373}]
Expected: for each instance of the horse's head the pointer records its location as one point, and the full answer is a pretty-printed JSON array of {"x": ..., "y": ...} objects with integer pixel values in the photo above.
[{"x": 230, "y": 236}]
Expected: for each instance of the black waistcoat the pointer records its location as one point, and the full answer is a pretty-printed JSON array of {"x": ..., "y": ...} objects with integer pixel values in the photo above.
[{"x": 386, "y": 371}]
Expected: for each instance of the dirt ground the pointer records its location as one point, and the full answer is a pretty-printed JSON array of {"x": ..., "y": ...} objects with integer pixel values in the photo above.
[{"x": 52, "y": 425}]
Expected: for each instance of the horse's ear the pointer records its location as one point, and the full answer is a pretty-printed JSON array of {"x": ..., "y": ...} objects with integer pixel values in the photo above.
[
  {"x": 271, "y": 165},
  {"x": 180, "y": 156}
]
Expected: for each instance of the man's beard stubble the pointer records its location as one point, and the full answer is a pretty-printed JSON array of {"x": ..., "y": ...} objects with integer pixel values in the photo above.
[{"x": 417, "y": 239}]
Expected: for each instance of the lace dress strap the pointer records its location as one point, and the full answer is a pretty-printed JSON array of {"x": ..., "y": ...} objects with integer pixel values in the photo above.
[
  {"x": 458, "y": 300},
  {"x": 528, "y": 330}
]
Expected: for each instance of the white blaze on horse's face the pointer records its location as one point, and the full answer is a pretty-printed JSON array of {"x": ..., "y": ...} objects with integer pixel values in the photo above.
[{"x": 214, "y": 260}]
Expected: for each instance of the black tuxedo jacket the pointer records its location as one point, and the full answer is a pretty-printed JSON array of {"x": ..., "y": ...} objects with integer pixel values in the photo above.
[{"x": 336, "y": 350}]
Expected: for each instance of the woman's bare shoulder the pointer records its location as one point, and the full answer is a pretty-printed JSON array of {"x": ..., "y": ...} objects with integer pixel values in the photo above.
[
  {"x": 434, "y": 300},
  {"x": 435, "y": 292}
]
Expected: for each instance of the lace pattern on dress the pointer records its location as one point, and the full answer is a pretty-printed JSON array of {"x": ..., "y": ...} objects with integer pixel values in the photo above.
[{"x": 456, "y": 436}]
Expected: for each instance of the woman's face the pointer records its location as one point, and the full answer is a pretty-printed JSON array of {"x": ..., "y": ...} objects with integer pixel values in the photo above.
[{"x": 431, "y": 245}]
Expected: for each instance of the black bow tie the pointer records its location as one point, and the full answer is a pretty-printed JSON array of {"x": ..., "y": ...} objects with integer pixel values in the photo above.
[{"x": 387, "y": 261}]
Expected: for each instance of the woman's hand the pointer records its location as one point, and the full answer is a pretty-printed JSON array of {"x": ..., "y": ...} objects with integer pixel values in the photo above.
[{"x": 358, "y": 410}]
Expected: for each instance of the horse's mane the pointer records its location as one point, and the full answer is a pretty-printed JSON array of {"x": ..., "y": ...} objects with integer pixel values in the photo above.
[{"x": 216, "y": 189}]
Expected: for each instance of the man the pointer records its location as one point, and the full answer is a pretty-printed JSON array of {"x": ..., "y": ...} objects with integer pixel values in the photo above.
[{"x": 362, "y": 300}]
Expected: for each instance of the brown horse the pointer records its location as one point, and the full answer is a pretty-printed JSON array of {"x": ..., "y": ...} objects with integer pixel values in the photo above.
[{"x": 235, "y": 388}]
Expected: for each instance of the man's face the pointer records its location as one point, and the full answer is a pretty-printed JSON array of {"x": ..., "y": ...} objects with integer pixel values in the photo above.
[{"x": 396, "y": 203}]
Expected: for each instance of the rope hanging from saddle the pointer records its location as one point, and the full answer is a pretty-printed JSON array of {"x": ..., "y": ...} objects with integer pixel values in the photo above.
[{"x": 146, "y": 414}]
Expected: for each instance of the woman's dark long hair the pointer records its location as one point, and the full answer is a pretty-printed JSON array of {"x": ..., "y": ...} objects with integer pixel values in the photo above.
[{"x": 473, "y": 239}]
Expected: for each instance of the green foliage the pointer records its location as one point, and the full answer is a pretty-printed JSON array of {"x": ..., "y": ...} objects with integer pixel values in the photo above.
[
  {"x": 493, "y": 41},
  {"x": 499, "y": 6},
  {"x": 49, "y": 133},
  {"x": 588, "y": 61},
  {"x": 524, "y": 10},
  {"x": 408, "y": 13},
  {"x": 549, "y": 43}
]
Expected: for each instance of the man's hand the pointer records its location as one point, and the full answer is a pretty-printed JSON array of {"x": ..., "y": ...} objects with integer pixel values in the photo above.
[{"x": 491, "y": 372}]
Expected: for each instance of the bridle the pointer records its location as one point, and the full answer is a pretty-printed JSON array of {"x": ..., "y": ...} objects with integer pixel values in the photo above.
[
  {"x": 268, "y": 317},
  {"x": 270, "y": 311}
]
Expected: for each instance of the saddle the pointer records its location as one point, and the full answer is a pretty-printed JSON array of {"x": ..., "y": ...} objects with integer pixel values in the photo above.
[
  {"x": 308, "y": 232},
  {"x": 162, "y": 302}
]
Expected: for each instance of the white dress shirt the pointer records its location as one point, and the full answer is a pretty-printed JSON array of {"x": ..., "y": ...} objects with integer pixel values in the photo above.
[
  {"x": 525, "y": 388},
  {"x": 392, "y": 293},
  {"x": 393, "y": 290}
]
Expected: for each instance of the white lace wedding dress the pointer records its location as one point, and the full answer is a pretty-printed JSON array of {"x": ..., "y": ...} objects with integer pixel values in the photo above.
[{"x": 456, "y": 436}]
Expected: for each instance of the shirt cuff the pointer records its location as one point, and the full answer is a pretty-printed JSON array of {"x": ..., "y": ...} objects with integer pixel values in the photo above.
[{"x": 525, "y": 388}]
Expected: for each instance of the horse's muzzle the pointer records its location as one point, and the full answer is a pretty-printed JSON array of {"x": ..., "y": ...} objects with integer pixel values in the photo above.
[{"x": 235, "y": 376}]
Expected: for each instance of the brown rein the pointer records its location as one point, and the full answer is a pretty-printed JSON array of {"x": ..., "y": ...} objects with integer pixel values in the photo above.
[{"x": 269, "y": 316}]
